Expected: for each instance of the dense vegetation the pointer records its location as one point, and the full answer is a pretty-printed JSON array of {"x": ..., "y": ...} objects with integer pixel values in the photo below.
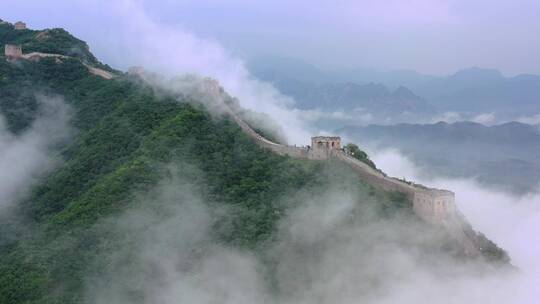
[
  {"x": 128, "y": 138},
  {"x": 54, "y": 41},
  {"x": 362, "y": 156}
]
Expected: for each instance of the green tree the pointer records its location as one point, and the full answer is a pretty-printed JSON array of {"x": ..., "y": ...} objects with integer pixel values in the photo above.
[{"x": 354, "y": 151}]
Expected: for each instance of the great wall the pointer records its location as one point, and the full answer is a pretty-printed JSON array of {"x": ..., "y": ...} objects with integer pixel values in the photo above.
[
  {"x": 434, "y": 206},
  {"x": 14, "y": 52}
]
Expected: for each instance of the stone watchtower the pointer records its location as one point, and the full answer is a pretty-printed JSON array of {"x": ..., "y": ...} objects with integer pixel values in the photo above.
[
  {"x": 136, "y": 71},
  {"x": 322, "y": 147},
  {"x": 211, "y": 86},
  {"x": 326, "y": 142},
  {"x": 13, "y": 51},
  {"x": 20, "y": 25}
]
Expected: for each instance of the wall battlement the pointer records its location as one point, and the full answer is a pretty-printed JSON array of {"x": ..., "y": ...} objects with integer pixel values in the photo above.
[
  {"x": 431, "y": 205},
  {"x": 12, "y": 51},
  {"x": 434, "y": 206},
  {"x": 19, "y": 25}
]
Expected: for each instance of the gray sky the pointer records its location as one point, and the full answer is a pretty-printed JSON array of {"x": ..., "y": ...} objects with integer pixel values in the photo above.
[{"x": 431, "y": 36}]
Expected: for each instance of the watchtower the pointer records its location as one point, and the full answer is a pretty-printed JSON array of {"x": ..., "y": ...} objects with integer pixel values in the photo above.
[
  {"x": 136, "y": 71},
  {"x": 19, "y": 25},
  {"x": 13, "y": 51},
  {"x": 326, "y": 142},
  {"x": 211, "y": 86}
]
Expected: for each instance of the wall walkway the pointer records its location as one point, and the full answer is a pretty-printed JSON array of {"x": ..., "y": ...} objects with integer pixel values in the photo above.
[
  {"x": 35, "y": 56},
  {"x": 434, "y": 206}
]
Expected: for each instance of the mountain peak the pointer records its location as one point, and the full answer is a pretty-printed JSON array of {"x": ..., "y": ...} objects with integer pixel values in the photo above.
[{"x": 404, "y": 93}]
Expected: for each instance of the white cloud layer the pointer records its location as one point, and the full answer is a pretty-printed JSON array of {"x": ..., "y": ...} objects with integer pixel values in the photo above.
[
  {"x": 135, "y": 39},
  {"x": 509, "y": 221},
  {"x": 321, "y": 254},
  {"x": 531, "y": 120},
  {"x": 344, "y": 264},
  {"x": 26, "y": 157},
  {"x": 485, "y": 118}
]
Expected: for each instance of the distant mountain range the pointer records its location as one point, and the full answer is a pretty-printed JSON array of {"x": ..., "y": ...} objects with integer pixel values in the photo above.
[
  {"x": 373, "y": 97},
  {"x": 471, "y": 91},
  {"x": 272, "y": 68},
  {"x": 484, "y": 90},
  {"x": 505, "y": 156},
  {"x": 149, "y": 168}
]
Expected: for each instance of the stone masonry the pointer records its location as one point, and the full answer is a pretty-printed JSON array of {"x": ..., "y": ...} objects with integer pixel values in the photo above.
[
  {"x": 434, "y": 206},
  {"x": 13, "y": 51},
  {"x": 327, "y": 142},
  {"x": 20, "y": 25}
]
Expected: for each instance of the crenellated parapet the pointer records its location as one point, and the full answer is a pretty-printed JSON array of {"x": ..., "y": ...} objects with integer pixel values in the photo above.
[
  {"x": 19, "y": 25},
  {"x": 211, "y": 87},
  {"x": 12, "y": 51},
  {"x": 434, "y": 206}
]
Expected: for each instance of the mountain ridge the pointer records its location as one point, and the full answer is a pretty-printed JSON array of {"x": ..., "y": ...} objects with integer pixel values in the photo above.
[
  {"x": 471, "y": 90},
  {"x": 131, "y": 136}
]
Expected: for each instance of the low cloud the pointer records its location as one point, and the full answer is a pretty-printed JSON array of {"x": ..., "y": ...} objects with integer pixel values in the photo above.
[
  {"x": 512, "y": 222},
  {"x": 485, "y": 118},
  {"x": 531, "y": 120},
  {"x": 173, "y": 258},
  {"x": 328, "y": 248},
  {"x": 135, "y": 39},
  {"x": 25, "y": 157},
  {"x": 448, "y": 117},
  {"x": 452, "y": 117},
  {"x": 164, "y": 249}
]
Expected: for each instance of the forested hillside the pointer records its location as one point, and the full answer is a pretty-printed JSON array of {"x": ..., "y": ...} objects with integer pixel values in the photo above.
[
  {"x": 53, "y": 41},
  {"x": 61, "y": 240}
]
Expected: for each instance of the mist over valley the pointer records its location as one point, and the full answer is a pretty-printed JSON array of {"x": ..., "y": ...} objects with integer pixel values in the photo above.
[{"x": 202, "y": 152}]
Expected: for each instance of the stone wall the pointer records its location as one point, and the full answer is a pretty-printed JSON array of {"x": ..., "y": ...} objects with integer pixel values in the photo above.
[
  {"x": 326, "y": 142},
  {"x": 20, "y": 25},
  {"x": 13, "y": 51},
  {"x": 431, "y": 205},
  {"x": 135, "y": 71},
  {"x": 434, "y": 206},
  {"x": 36, "y": 56},
  {"x": 211, "y": 86},
  {"x": 374, "y": 177}
]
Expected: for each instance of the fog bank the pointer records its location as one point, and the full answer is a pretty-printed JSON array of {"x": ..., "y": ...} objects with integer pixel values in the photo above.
[
  {"x": 330, "y": 248},
  {"x": 24, "y": 158},
  {"x": 135, "y": 39},
  {"x": 511, "y": 222}
]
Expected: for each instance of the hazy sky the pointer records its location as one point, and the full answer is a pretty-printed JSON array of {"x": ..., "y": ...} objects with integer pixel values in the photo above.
[{"x": 431, "y": 36}]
